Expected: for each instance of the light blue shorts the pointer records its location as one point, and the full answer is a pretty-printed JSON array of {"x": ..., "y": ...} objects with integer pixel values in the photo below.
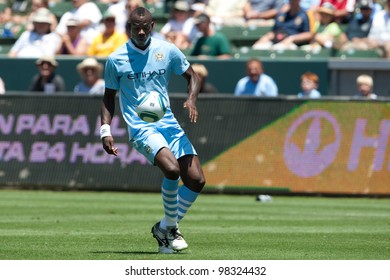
[{"x": 152, "y": 139}]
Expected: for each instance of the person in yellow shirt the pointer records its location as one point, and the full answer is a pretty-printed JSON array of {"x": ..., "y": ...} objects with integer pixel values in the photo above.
[{"x": 108, "y": 40}]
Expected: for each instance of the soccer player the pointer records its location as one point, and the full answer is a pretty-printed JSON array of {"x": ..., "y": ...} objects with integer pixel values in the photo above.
[{"x": 141, "y": 65}]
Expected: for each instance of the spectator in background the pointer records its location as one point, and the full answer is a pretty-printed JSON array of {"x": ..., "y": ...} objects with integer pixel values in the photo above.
[
  {"x": 47, "y": 80},
  {"x": 122, "y": 10},
  {"x": 211, "y": 43},
  {"x": 39, "y": 41},
  {"x": 328, "y": 31},
  {"x": 309, "y": 85},
  {"x": 344, "y": 9},
  {"x": 180, "y": 21},
  {"x": 365, "y": 85},
  {"x": 2, "y": 86},
  {"x": 226, "y": 12},
  {"x": 262, "y": 12},
  {"x": 5, "y": 19},
  {"x": 71, "y": 42},
  {"x": 377, "y": 6},
  {"x": 109, "y": 40},
  {"x": 6, "y": 13},
  {"x": 87, "y": 14},
  {"x": 379, "y": 35},
  {"x": 356, "y": 34},
  {"x": 206, "y": 86},
  {"x": 309, "y": 5},
  {"x": 291, "y": 28},
  {"x": 12, "y": 22},
  {"x": 90, "y": 71},
  {"x": 35, "y": 5},
  {"x": 256, "y": 82}
]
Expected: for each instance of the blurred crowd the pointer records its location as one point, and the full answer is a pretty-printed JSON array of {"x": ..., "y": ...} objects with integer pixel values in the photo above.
[{"x": 96, "y": 28}]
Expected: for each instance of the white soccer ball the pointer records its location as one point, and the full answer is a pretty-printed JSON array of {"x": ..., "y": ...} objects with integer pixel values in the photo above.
[{"x": 151, "y": 107}]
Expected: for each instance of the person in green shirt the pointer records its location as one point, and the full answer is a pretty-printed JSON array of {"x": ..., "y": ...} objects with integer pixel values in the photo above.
[
  {"x": 211, "y": 43},
  {"x": 328, "y": 31}
]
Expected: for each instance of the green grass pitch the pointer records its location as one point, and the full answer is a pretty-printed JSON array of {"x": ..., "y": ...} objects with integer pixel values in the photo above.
[{"x": 45, "y": 225}]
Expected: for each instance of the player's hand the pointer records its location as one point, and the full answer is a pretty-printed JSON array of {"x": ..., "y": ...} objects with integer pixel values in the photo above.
[
  {"x": 108, "y": 145},
  {"x": 192, "y": 111}
]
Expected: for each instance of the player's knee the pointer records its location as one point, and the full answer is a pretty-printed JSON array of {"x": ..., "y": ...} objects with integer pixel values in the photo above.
[
  {"x": 198, "y": 183},
  {"x": 171, "y": 171}
]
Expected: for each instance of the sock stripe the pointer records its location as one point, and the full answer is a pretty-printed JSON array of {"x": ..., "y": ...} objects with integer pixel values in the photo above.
[
  {"x": 169, "y": 198},
  {"x": 171, "y": 213},
  {"x": 172, "y": 208},
  {"x": 169, "y": 192},
  {"x": 186, "y": 199},
  {"x": 184, "y": 202},
  {"x": 184, "y": 207}
]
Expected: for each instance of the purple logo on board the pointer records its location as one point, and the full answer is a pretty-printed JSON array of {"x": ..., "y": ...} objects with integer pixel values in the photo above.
[{"x": 313, "y": 158}]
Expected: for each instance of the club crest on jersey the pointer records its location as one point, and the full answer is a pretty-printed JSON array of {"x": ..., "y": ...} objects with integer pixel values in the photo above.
[
  {"x": 148, "y": 149},
  {"x": 159, "y": 56},
  {"x": 298, "y": 21}
]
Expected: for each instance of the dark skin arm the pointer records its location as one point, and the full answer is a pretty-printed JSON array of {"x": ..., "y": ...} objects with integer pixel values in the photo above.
[
  {"x": 193, "y": 87},
  {"x": 107, "y": 110}
]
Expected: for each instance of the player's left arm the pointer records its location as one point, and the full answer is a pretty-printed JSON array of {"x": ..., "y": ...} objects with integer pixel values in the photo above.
[{"x": 193, "y": 82}]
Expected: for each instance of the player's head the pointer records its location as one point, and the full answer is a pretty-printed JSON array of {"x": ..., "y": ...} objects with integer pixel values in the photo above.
[{"x": 139, "y": 27}]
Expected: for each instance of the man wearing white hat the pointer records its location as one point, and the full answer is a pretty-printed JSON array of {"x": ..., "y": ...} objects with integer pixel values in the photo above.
[{"x": 39, "y": 41}]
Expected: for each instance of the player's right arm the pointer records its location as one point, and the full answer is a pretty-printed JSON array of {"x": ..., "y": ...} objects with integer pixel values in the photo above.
[{"x": 107, "y": 110}]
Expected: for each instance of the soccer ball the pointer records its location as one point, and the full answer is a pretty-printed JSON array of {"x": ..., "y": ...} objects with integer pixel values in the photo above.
[{"x": 151, "y": 107}]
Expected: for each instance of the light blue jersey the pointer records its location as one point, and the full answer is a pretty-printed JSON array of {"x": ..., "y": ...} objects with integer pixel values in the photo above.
[{"x": 133, "y": 72}]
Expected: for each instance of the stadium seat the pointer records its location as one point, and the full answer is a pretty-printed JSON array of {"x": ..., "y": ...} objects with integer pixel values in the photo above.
[
  {"x": 240, "y": 36},
  {"x": 6, "y": 44},
  {"x": 60, "y": 8},
  {"x": 230, "y": 32},
  {"x": 4, "y": 49},
  {"x": 2, "y": 6},
  {"x": 246, "y": 52},
  {"x": 158, "y": 12},
  {"x": 186, "y": 52},
  {"x": 374, "y": 53},
  {"x": 102, "y": 6},
  {"x": 248, "y": 36},
  {"x": 324, "y": 53}
]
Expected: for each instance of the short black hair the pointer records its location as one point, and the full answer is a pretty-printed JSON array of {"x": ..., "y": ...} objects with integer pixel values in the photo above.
[{"x": 138, "y": 13}]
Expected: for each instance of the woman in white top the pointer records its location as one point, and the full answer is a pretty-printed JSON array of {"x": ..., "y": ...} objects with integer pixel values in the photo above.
[
  {"x": 87, "y": 14},
  {"x": 90, "y": 71}
]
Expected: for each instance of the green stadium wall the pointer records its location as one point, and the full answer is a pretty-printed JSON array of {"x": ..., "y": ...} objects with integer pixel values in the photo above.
[
  {"x": 246, "y": 145},
  {"x": 224, "y": 74}
]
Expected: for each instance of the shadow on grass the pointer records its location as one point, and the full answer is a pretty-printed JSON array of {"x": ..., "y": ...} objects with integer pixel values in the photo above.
[
  {"x": 137, "y": 252},
  {"x": 125, "y": 252}
]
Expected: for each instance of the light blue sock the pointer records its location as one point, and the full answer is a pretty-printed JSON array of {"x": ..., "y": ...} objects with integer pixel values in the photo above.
[
  {"x": 169, "y": 189},
  {"x": 186, "y": 199}
]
